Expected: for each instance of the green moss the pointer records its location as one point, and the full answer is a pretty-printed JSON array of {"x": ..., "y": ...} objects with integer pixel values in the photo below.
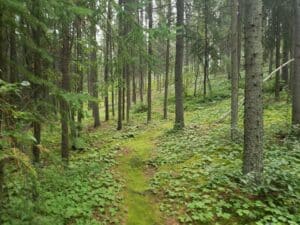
[{"x": 139, "y": 204}]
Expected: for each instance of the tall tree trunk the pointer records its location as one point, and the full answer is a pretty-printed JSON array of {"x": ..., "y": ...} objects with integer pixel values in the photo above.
[
  {"x": 240, "y": 28},
  {"x": 206, "y": 56},
  {"x": 65, "y": 83},
  {"x": 196, "y": 79},
  {"x": 179, "y": 111},
  {"x": 253, "y": 119},
  {"x": 278, "y": 45},
  {"x": 36, "y": 32},
  {"x": 120, "y": 71},
  {"x": 285, "y": 57},
  {"x": 94, "y": 69},
  {"x": 141, "y": 66},
  {"x": 107, "y": 68},
  {"x": 293, "y": 47},
  {"x": 169, "y": 15},
  {"x": 150, "y": 53},
  {"x": 296, "y": 77},
  {"x": 79, "y": 70},
  {"x": 234, "y": 70},
  {"x": 133, "y": 85}
]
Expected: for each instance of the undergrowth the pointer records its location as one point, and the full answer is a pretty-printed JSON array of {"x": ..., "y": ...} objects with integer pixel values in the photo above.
[{"x": 199, "y": 175}]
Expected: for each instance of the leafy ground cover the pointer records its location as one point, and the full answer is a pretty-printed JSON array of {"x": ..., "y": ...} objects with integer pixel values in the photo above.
[
  {"x": 86, "y": 192},
  {"x": 150, "y": 174},
  {"x": 199, "y": 171}
]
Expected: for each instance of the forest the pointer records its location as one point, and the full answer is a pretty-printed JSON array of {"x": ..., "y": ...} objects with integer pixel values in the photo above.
[{"x": 149, "y": 112}]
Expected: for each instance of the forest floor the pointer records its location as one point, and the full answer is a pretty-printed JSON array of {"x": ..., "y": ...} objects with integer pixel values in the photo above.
[
  {"x": 140, "y": 204},
  {"x": 150, "y": 174}
]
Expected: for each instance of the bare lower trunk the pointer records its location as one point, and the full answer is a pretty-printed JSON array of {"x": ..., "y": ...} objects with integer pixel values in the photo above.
[
  {"x": 253, "y": 121},
  {"x": 234, "y": 70},
  {"x": 278, "y": 40},
  {"x": 179, "y": 111},
  {"x": 120, "y": 73},
  {"x": 79, "y": 72},
  {"x": 167, "y": 63},
  {"x": 64, "y": 106},
  {"x": 296, "y": 77},
  {"x": 196, "y": 80},
  {"x": 133, "y": 86},
  {"x": 206, "y": 60},
  {"x": 285, "y": 70},
  {"x": 149, "y": 95},
  {"x": 94, "y": 70}
]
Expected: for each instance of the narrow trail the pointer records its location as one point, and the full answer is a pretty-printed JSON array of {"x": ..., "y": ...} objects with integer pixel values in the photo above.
[{"x": 140, "y": 206}]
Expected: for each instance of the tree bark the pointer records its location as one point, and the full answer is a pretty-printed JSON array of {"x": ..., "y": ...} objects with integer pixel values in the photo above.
[
  {"x": 278, "y": 45},
  {"x": 296, "y": 77},
  {"x": 234, "y": 70},
  {"x": 179, "y": 111},
  {"x": 253, "y": 119},
  {"x": 169, "y": 15},
  {"x": 107, "y": 68},
  {"x": 94, "y": 69},
  {"x": 141, "y": 66},
  {"x": 120, "y": 71},
  {"x": 285, "y": 57},
  {"x": 36, "y": 32},
  {"x": 150, "y": 53},
  {"x": 79, "y": 52},
  {"x": 65, "y": 83},
  {"x": 206, "y": 59}
]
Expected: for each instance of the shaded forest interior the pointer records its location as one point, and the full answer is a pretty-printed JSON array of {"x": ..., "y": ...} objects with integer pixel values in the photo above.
[{"x": 149, "y": 112}]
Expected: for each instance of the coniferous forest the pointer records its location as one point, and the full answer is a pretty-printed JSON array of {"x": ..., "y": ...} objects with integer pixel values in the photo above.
[{"x": 149, "y": 112}]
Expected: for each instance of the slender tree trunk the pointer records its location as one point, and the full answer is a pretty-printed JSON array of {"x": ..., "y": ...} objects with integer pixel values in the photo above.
[
  {"x": 133, "y": 85},
  {"x": 278, "y": 45},
  {"x": 150, "y": 52},
  {"x": 120, "y": 72},
  {"x": 253, "y": 119},
  {"x": 206, "y": 59},
  {"x": 94, "y": 69},
  {"x": 234, "y": 70},
  {"x": 196, "y": 79},
  {"x": 240, "y": 28},
  {"x": 128, "y": 91},
  {"x": 107, "y": 58},
  {"x": 179, "y": 111},
  {"x": 38, "y": 89},
  {"x": 64, "y": 106},
  {"x": 271, "y": 60},
  {"x": 79, "y": 71},
  {"x": 141, "y": 66},
  {"x": 296, "y": 77},
  {"x": 167, "y": 62},
  {"x": 293, "y": 47},
  {"x": 124, "y": 92},
  {"x": 286, "y": 49},
  {"x": 112, "y": 79}
]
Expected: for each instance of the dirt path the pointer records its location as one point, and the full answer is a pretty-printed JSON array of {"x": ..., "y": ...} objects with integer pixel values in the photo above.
[{"x": 140, "y": 206}]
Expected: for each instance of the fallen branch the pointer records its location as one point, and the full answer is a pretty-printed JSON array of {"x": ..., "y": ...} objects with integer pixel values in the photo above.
[{"x": 224, "y": 116}]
